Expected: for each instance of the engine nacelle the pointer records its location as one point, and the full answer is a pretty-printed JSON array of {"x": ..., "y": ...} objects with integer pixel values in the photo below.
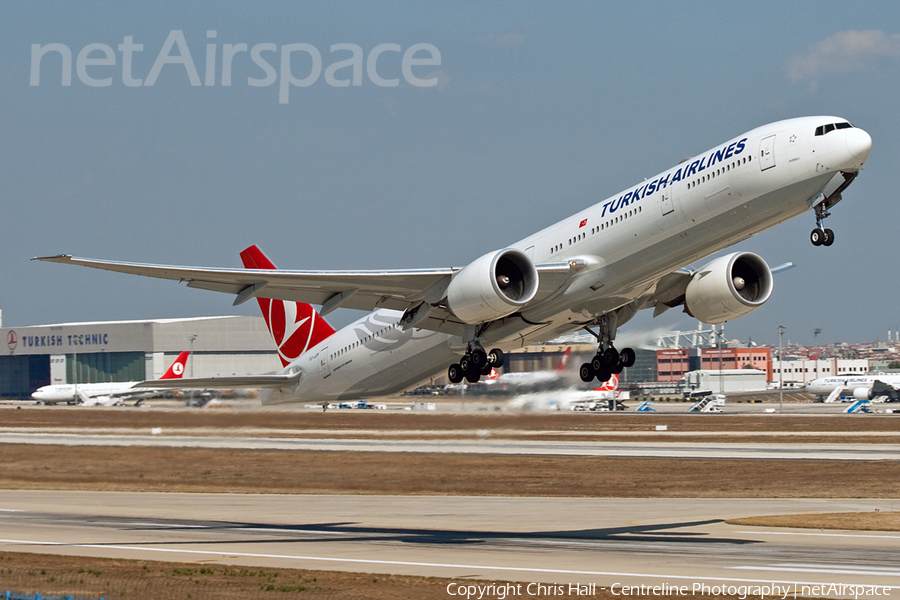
[
  {"x": 862, "y": 393},
  {"x": 493, "y": 286},
  {"x": 729, "y": 287}
]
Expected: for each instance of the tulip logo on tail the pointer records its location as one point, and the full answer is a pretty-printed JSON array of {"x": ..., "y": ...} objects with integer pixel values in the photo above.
[
  {"x": 176, "y": 371},
  {"x": 610, "y": 385},
  {"x": 295, "y": 326}
]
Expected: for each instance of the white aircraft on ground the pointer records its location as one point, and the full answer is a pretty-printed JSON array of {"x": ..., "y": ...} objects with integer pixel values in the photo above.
[
  {"x": 516, "y": 379},
  {"x": 105, "y": 394},
  {"x": 860, "y": 387},
  {"x": 595, "y": 269}
]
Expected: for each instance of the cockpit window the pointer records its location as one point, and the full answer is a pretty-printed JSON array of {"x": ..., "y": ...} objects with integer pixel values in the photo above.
[{"x": 823, "y": 129}]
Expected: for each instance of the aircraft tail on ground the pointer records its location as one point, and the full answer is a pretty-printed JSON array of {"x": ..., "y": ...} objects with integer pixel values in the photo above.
[
  {"x": 295, "y": 326},
  {"x": 176, "y": 371},
  {"x": 563, "y": 361}
]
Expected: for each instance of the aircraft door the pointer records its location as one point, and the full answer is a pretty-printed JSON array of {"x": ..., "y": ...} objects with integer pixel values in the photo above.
[
  {"x": 324, "y": 364},
  {"x": 665, "y": 202},
  {"x": 767, "y": 153}
]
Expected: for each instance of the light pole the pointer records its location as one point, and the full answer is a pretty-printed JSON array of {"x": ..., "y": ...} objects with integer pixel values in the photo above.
[
  {"x": 192, "y": 338},
  {"x": 781, "y": 329}
]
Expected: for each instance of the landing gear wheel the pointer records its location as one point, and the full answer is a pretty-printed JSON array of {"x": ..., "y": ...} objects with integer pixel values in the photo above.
[
  {"x": 479, "y": 357},
  {"x": 610, "y": 357},
  {"x": 473, "y": 377},
  {"x": 817, "y": 237},
  {"x": 455, "y": 373},
  {"x": 495, "y": 358},
  {"x": 603, "y": 375},
  {"x": 617, "y": 369},
  {"x": 829, "y": 237},
  {"x": 486, "y": 370},
  {"x": 598, "y": 364},
  {"x": 465, "y": 363},
  {"x": 586, "y": 372},
  {"x": 627, "y": 357}
]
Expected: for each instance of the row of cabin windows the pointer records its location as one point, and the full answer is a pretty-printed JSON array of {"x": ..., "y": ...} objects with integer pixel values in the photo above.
[
  {"x": 357, "y": 343},
  {"x": 823, "y": 129},
  {"x": 719, "y": 171},
  {"x": 822, "y": 370},
  {"x": 598, "y": 228}
]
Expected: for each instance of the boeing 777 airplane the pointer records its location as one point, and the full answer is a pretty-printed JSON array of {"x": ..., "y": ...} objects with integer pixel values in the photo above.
[
  {"x": 108, "y": 393},
  {"x": 593, "y": 270},
  {"x": 859, "y": 387}
]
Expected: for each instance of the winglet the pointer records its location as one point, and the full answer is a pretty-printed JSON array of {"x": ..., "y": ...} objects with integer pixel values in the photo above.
[{"x": 59, "y": 258}]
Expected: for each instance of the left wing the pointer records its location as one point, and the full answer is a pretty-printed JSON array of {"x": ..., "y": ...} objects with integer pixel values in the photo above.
[
  {"x": 405, "y": 289},
  {"x": 880, "y": 388},
  {"x": 225, "y": 382}
]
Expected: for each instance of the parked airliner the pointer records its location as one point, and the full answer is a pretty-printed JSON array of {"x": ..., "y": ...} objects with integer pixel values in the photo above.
[
  {"x": 594, "y": 270},
  {"x": 108, "y": 393},
  {"x": 858, "y": 387}
]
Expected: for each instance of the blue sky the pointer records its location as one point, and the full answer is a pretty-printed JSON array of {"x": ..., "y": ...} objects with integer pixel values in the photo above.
[{"x": 538, "y": 112}]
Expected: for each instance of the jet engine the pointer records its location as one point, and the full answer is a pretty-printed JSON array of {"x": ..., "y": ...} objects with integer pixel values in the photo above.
[
  {"x": 862, "y": 393},
  {"x": 729, "y": 287},
  {"x": 492, "y": 287}
]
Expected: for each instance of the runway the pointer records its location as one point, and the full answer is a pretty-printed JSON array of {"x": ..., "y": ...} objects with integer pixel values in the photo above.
[
  {"x": 556, "y": 541},
  {"x": 485, "y": 445}
]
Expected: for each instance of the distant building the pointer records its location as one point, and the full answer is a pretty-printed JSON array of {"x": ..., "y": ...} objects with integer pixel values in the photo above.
[
  {"x": 726, "y": 381},
  {"x": 800, "y": 371},
  {"x": 132, "y": 351}
]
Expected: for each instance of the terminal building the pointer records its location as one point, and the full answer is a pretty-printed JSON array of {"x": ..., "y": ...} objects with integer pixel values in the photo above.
[{"x": 132, "y": 351}]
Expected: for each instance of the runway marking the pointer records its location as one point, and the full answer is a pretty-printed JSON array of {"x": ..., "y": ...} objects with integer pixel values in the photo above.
[
  {"x": 849, "y": 535},
  {"x": 818, "y": 570},
  {"x": 265, "y": 529},
  {"x": 225, "y": 555},
  {"x": 10, "y": 510},
  {"x": 820, "y": 565}
]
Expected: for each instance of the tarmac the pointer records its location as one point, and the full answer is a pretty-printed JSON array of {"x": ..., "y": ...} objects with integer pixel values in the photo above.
[{"x": 551, "y": 541}]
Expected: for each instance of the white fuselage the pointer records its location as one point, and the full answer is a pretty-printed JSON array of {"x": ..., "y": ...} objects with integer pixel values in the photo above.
[
  {"x": 824, "y": 386},
  {"x": 87, "y": 393},
  {"x": 724, "y": 195}
]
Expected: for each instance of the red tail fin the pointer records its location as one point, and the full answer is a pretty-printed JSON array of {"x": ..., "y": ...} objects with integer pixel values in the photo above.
[
  {"x": 610, "y": 385},
  {"x": 295, "y": 326},
  {"x": 564, "y": 360},
  {"x": 176, "y": 371}
]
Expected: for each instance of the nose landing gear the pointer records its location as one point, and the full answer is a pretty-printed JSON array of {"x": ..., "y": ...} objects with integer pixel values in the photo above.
[{"x": 821, "y": 236}]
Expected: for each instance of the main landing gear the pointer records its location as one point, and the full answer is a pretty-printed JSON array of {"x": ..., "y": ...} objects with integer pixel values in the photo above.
[
  {"x": 474, "y": 364},
  {"x": 821, "y": 236},
  {"x": 608, "y": 361}
]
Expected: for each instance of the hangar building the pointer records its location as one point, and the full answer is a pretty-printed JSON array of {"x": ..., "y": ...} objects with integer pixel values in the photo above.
[{"x": 132, "y": 351}]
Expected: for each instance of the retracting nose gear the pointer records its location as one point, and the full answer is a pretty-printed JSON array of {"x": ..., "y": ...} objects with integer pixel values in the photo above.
[{"x": 821, "y": 235}]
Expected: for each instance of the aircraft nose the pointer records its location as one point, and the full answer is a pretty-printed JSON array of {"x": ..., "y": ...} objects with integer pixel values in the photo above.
[{"x": 859, "y": 143}]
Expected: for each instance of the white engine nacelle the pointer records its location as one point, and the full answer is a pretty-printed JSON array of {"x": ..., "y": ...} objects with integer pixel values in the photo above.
[
  {"x": 729, "y": 287},
  {"x": 493, "y": 286},
  {"x": 862, "y": 393}
]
